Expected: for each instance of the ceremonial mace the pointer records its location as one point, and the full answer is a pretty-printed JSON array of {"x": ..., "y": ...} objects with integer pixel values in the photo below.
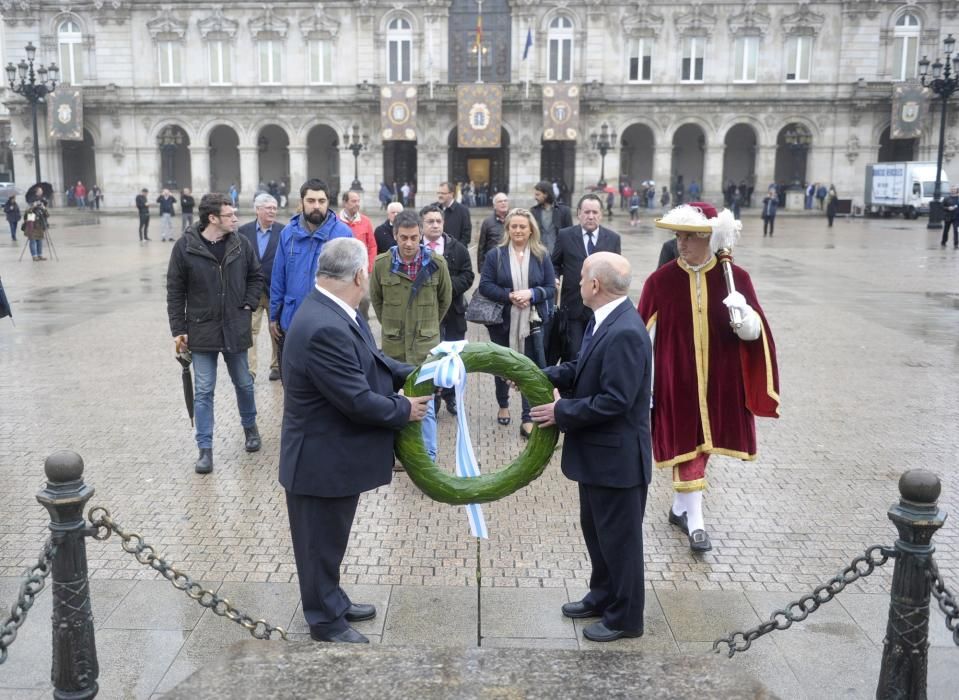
[{"x": 726, "y": 232}]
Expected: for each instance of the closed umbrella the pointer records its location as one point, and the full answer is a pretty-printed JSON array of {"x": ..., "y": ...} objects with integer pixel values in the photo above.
[{"x": 185, "y": 359}]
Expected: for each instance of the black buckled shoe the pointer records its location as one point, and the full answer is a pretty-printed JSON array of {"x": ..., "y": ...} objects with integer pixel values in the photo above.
[
  {"x": 679, "y": 521},
  {"x": 252, "y": 439},
  {"x": 578, "y": 610},
  {"x": 347, "y": 636},
  {"x": 699, "y": 541},
  {"x": 359, "y": 612},
  {"x": 598, "y": 632},
  {"x": 204, "y": 465}
]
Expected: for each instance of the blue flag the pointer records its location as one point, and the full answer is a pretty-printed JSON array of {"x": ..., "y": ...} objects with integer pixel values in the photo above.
[{"x": 529, "y": 42}]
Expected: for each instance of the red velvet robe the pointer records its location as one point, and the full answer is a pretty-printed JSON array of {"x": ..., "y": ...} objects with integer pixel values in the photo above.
[{"x": 707, "y": 386}]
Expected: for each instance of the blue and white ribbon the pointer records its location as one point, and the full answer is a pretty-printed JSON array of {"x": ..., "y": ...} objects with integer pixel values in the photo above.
[{"x": 449, "y": 372}]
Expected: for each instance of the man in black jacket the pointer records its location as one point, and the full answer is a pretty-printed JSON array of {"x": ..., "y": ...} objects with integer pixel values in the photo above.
[
  {"x": 213, "y": 284},
  {"x": 456, "y": 217},
  {"x": 573, "y": 245},
  {"x": 187, "y": 202},
  {"x": 263, "y": 233},
  {"x": 491, "y": 230},
  {"x": 143, "y": 211},
  {"x": 550, "y": 216},
  {"x": 453, "y": 325},
  {"x": 385, "y": 239}
]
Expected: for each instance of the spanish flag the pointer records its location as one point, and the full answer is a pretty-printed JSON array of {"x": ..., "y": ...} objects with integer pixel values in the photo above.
[{"x": 478, "y": 44}]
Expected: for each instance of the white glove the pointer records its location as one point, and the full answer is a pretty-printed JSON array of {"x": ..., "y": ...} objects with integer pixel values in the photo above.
[{"x": 750, "y": 328}]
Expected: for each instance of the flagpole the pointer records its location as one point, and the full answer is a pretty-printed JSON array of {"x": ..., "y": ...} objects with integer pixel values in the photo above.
[
  {"x": 526, "y": 58},
  {"x": 429, "y": 25},
  {"x": 479, "y": 41}
]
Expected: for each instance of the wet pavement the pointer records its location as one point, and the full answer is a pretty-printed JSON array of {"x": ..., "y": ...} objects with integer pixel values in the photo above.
[{"x": 866, "y": 320}]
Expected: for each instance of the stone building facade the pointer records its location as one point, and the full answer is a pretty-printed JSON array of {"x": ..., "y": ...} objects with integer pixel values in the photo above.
[{"x": 205, "y": 95}]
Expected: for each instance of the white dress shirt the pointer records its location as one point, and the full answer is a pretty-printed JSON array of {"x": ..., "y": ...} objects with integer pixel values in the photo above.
[
  {"x": 351, "y": 312},
  {"x": 600, "y": 314},
  {"x": 586, "y": 236}
]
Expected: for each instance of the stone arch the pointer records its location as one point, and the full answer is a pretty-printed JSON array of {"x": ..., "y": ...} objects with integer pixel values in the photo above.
[
  {"x": 741, "y": 142},
  {"x": 173, "y": 147},
  {"x": 893, "y": 150},
  {"x": 273, "y": 153},
  {"x": 223, "y": 142},
  {"x": 688, "y": 164},
  {"x": 637, "y": 151},
  {"x": 78, "y": 161}
]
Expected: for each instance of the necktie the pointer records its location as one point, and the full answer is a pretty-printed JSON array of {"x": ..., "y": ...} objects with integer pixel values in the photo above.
[
  {"x": 433, "y": 244},
  {"x": 587, "y": 336},
  {"x": 591, "y": 244}
]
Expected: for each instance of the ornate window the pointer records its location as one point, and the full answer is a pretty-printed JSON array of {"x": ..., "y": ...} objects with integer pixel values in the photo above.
[
  {"x": 221, "y": 61},
  {"x": 798, "y": 58},
  {"x": 694, "y": 49},
  {"x": 640, "y": 60},
  {"x": 905, "y": 47},
  {"x": 399, "y": 51},
  {"x": 321, "y": 61},
  {"x": 69, "y": 42},
  {"x": 270, "y": 55},
  {"x": 747, "y": 58},
  {"x": 169, "y": 61},
  {"x": 560, "y": 49}
]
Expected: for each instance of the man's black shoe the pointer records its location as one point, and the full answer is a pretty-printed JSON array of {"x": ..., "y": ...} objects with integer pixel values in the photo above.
[
  {"x": 252, "y": 439},
  {"x": 579, "y": 610},
  {"x": 598, "y": 632},
  {"x": 274, "y": 374},
  {"x": 679, "y": 521},
  {"x": 204, "y": 465},
  {"x": 347, "y": 636},
  {"x": 699, "y": 541},
  {"x": 360, "y": 611}
]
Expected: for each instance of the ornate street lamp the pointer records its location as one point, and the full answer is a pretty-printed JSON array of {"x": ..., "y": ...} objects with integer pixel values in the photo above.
[
  {"x": 602, "y": 142},
  {"x": 169, "y": 140},
  {"x": 944, "y": 81},
  {"x": 355, "y": 143},
  {"x": 34, "y": 86}
]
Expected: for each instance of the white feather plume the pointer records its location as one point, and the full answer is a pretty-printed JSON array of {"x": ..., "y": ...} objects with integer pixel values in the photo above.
[
  {"x": 685, "y": 215},
  {"x": 726, "y": 230}
]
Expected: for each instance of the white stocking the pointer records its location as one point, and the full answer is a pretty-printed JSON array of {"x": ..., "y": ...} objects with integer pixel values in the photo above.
[{"x": 694, "y": 510}]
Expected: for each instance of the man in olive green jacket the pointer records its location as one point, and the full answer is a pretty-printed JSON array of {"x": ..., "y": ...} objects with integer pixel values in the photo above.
[{"x": 410, "y": 290}]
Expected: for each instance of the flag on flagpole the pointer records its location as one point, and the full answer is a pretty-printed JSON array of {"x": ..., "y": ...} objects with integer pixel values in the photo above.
[
  {"x": 529, "y": 42},
  {"x": 478, "y": 44}
]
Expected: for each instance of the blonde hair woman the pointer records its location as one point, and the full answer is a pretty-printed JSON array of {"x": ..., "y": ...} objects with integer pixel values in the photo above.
[{"x": 519, "y": 274}]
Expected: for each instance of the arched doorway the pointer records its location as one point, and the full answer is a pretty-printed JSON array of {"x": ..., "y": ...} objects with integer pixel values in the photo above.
[
  {"x": 636, "y": 154},
  {"x": 78, "y": 161},
  {"x": 224, "y": 159},
  {"x": 399, "y": 163},
  {"x": 895, "y": 150},
  {"x": 273, "y": 146},
  {"x": 689, "y": 155},
  {"x": 739, "y": 160},
  {"x": 557, "y": 163},
  {"x": 484, "y": 166},
  {"x": 792, "y": 149},
  {"x": 174, "y": 145},
  {"x": 323, "y": 156}
]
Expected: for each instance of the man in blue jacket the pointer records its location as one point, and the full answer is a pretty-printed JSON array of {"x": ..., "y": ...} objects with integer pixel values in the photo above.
[{"x": 294, "y": 267}]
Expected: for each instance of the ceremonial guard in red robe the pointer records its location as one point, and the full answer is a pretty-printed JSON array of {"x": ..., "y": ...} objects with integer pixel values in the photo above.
[{"x": 714, "y": 359}]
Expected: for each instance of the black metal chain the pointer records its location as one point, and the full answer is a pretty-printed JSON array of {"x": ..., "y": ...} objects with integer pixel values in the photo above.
[
  {"x": 947, "y": 601},
  {"x": 133, "y": 543},
  {"x": 799, "y": 610},
  {"x": 34, "y": 581}
]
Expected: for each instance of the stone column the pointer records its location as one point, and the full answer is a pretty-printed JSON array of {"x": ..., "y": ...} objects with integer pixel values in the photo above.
[
  {"x": 765, "y": 171},
  {"x": 298, "y": 167},
  {"x": 200, "y": 167},
  {"x": 662, "y": 167},
  {"x": 713, "y": 174},
  {"x": 249, "y": 171}
]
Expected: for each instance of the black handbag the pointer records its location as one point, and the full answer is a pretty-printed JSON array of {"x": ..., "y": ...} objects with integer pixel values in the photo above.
[{"x": 483, "y": 310}]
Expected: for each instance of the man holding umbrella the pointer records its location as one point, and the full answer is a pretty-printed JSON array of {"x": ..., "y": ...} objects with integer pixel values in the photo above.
[{"x": 213, "y": 284}]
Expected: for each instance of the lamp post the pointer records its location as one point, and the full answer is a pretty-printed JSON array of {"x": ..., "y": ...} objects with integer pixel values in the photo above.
[
  {"x": 944, "y": 82},
  {"x": 34, "y": 86},
  {"x": 355, "y": 143},
  {"x": 169, "y": 140},
  {"x": 602, "y": 142}
]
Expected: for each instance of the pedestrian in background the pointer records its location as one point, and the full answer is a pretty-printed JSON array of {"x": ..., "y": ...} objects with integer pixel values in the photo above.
[
  {"x": 362, "y": 229},
  {"x": 80, "y": 195},
  {"x": 213, "y": 284},
  {"x": 491, "y": 228},
  {"x": 821, "y": 193},
  {"x": 456, "y": 217},
  {"x": 384, "y": 232},
  {"x": 263, "y": 233},
  {"x": 96, "y": 195},
  {"x": 35, "y": 224},
  {"x": 831, "y": 204},
  {"x": 950, "y": 217},
  {"x": 12, "y": 211},
  {"x": 551, "y": 217},
  {"x": 143, "y": 210},
  {"x": 770, "y": 204},
  {"x": 187, "y": 202},
  {"x": 166, "y": 202}
]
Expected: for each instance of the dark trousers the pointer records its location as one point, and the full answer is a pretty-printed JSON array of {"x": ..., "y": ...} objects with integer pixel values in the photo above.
[
  {"x": 452, "y": 329},
  {"x": 533, "y": 350},
  {"x": 144, "y": 225},
  {"x": 612, "y": 524},
  {"x": 575, "y": 330},
  {"x": 769, "y": 223},
  {"x": 13, "y": 229},
  {"x": 320, "y": 528},
  {"x": 955, "y": 232}
]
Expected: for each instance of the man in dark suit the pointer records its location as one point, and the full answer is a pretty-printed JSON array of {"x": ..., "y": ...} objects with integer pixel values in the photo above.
[
  {"x": 573, "y": 245},
  {"x": 385, "y": 238},
  {"x": 339, "y": 416},
  {"x": 456, "y": 217},
  {"x": 607, "y": 447},
  {"x": 263, "y": 234},
  {"x": 453, "y": 324}
]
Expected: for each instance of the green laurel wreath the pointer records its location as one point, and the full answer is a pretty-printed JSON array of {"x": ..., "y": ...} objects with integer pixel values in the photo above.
[{"x": 449, "y": 488}]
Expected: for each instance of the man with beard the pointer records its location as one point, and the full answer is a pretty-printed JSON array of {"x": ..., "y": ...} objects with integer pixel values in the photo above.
[{"x": 294, "y": 267}]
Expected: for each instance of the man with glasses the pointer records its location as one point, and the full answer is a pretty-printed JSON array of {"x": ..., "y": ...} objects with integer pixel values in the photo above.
[
  {"x": 263, "y": 233},
  {"x": 456, "y": 217},
  {"x": 294, "y": 267},
  {"x": 491, "y": 230},
  {"x": 213, "y": 284}
]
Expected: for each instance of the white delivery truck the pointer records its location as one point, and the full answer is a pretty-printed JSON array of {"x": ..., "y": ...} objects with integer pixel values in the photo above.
[{"x": 902, "y": 188}]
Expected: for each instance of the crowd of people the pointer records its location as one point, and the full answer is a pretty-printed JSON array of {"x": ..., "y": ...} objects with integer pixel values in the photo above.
[{"x": 559, "y": 278}]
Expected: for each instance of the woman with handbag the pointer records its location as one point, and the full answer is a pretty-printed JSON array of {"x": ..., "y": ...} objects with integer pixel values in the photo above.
[{"x": 519, "y": 275}]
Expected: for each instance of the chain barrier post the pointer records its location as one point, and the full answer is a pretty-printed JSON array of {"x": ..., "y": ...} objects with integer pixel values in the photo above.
[
  {"x": 75, "y": 669},
  {"x": 905, "y": 648}
]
